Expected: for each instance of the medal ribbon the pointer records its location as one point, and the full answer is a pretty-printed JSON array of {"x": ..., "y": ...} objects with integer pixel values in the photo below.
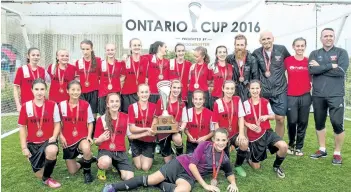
[
  {"x": 75, "y": 119},
  {"x": 254, "y": 111},
  {"x": 59, "y": 75},
  {"x": 197, "y": 123},
  {"x": 197, "y": 76},
  {"x": 181, "y": 74},
  {"x": 215, "y": 171},
  {"x": 231, "y": 114},
  {"x": 87, "y": 73},
  {"x": 171, "y": 108},
  {"x": 31, "y": 71},
  {"x": 144, "y": 120},
  {"x": 241, "y": 69},
  {"x": 266, "y": 61},
  {"x": 136, "y": 73},
  {"x": 40, "y": 123},
  {"x": 109, "y": 76},
  {"x": 160, "y": 66},
  {"x": 113, "y": 135}
]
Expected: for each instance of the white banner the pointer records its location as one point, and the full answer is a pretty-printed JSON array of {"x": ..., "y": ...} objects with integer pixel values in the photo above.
[{"x": 207, "y": 23}]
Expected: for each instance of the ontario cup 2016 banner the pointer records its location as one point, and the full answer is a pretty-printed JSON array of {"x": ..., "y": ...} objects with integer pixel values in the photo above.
[{"x": 207, "y": 23}]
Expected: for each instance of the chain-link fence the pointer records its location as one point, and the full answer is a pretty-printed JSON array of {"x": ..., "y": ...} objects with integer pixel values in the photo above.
[{"x": 13, "y": 49}]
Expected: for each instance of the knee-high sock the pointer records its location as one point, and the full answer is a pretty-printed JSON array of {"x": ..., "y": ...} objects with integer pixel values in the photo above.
[
  {"x": 278, "y": 161},
  {"x": 48, "y": 168},
  {"x": 86, "y": 165},
  {"x": 130, "y": 184},
  {"x": 166, "y": 187},
  {"x": 240, "y": 157}
]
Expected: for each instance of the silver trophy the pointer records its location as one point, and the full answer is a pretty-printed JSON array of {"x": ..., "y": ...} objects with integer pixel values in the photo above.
[
  {"x": 164, "y": 89},
  {"x": 194, "y": 10}
]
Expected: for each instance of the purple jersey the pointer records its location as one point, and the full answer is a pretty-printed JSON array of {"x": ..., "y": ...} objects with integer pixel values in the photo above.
[{"x": 202, "y": 158}]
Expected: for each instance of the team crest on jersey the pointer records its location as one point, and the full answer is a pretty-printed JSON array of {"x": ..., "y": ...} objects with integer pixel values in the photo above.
[
  {"x": 278, "y": 58},
  {"x": 333, "y": 57}
]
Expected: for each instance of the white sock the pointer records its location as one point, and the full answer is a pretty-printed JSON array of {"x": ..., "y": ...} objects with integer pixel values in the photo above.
[
  {"x": 337, "y": 153},
  {"x": 322, "y": 149}
]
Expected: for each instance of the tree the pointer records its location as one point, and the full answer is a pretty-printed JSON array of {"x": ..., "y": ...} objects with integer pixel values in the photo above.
[{"x": 188, "y": 56}]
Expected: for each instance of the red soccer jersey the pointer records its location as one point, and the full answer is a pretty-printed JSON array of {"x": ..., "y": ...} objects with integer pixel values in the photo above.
[
  {"x": 110, "y": 72},
  {"x": 24, "y": 79},
  {"x": 73, "y": 121},
  {"x": 223, "y": 111},
  {"x": 118, "y": 136},
  {"x": 86, "y": 71},
  {"x": 203, "y": 75},
  {"x": 180, "y": 71},
  {"x": 58, "y": 75},
  {"x": 299, "y": 79},
  {"x": 135, "y": 72},
  {"x": 155, "y": 69},
  {"x": 142, "y": 118},
  {"x": 199, "y": 125},
  {"x": 250, "y": 118},
  {"x": 31, "y": 115},
  {"x": 219, "y": 75}
]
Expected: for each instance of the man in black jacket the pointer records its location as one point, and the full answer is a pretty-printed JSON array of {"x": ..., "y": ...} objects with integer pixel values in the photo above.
[
  {"x": 328, "y": 66},
  {"x": 270, "y": 61},
  {"x": 244, "y": 66}
]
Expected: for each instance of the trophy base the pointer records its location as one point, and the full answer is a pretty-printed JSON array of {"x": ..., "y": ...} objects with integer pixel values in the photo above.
[{"x": 165, "y": 124}]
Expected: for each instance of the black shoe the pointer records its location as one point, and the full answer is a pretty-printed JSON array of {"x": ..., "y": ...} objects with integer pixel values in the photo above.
[
  {"x": 318, "y": 154},
  {"x": 88, "y": 178},
  {"x": 337, "y": 160}
]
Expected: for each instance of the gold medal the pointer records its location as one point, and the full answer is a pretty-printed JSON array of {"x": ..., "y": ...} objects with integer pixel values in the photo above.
[
  {"x": 214, "y": 182},
  {"x": 40, "y": 133},
  {"x": 160, "y": 77},
  {"x": 87, "y": 84},
  {"x": 241, "y": 79},
  {"x": 267, "y": 73},
  {"x": 109, "y": 87},
  {"x": 112, "y": 146},
  {"x": 196, "y": 86},
  {"x": 74, "y": 132}
]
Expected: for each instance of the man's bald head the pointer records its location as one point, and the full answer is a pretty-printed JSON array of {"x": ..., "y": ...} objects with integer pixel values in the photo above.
[{"x": 266, "y": 39}]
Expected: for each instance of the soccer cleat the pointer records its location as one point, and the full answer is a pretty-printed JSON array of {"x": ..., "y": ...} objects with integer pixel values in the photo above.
[
  {"x": 279, "y": 171},
  {"x": 318, "y": 154},
  {"x": 298, "y": 152},
  {"x": 240, "y": 171},
  {"x": 88, "y": 178},
  {"x": 291, "y": 151},
  {"x": 101, "y": 174},
  {"x": 52, "y": 183},
  {"x": 337, "y": 160},
  {"x": 108, "y": 188}
]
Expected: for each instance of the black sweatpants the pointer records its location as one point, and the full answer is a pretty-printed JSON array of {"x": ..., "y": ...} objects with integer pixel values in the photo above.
[
  {"x": 336, "y": 106},
  {"x": 297, "y": 114}
]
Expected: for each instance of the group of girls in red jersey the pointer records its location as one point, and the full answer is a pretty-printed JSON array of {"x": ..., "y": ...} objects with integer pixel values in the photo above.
[{"x": 202, "y": 99}]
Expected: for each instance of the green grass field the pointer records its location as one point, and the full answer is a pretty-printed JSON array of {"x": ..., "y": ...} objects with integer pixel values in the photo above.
[{"x": 302, "y": 173}]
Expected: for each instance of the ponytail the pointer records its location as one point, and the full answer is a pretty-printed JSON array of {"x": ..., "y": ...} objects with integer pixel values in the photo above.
[
  {"x": 203, "y": 52},
  {"x": 154, "y": 47}
]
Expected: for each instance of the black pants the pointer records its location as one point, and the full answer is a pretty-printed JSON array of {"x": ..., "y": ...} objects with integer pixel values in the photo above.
[{"x": 297, "y": 114}]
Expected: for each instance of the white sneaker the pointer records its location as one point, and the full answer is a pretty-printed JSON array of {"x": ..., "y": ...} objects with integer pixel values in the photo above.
[
  {"x": 130, "y": 151},
  {"x": 157, "y": 150}
]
